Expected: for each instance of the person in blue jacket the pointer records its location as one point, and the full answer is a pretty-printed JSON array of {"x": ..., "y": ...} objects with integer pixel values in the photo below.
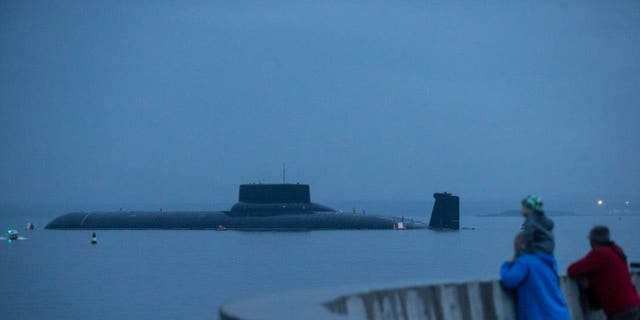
[{"x": 535, "y": 277}]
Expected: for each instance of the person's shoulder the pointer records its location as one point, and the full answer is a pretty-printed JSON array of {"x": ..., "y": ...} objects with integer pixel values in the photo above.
[
  {"x": 600, "y": 253},
  {"x": 528, "y": 257},
  {"x": 607, "y": 251},
  {"x": 600, "y": 250},
  {"x": 539, "y": 257},
  {"x": 618, "y": 249},
  {"x": 545, "y": 256}
]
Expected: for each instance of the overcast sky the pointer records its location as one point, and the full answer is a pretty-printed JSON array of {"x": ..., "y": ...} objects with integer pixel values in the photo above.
[{"x": 178, "y": 101}]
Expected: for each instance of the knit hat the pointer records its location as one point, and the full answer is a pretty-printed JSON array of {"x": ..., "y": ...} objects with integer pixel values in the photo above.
[
  {"x": 532, "y": 202},
  {"x": 600, "y": 234}
]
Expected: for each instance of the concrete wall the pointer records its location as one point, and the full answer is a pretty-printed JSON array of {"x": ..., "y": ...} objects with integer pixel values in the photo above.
[
  {"x": 467, "y": 301},
  {"x": 470, "y": 300}
]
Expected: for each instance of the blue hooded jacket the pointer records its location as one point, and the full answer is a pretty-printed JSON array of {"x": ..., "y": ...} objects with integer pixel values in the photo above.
[{"x": 535, "y": 276}]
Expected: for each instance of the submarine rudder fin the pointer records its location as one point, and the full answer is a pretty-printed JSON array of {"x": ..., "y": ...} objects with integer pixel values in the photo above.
[{"x": 446, "y": 212}]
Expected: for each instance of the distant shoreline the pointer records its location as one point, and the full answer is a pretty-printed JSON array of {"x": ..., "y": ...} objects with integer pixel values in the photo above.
[
  {"x": 561, "y": 213},
  {"x": 516, "y": 213}
]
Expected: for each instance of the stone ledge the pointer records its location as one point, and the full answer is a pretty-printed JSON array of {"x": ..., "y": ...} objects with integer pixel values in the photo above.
[{"x": 464, "y": 300}]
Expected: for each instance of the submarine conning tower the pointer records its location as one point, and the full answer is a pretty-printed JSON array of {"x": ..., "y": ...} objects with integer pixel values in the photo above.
[{"x": 275, "y": 199}]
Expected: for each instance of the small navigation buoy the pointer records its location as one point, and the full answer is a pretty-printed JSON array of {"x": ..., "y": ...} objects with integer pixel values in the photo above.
[
  {"x": 30, "y": 226},
  {"x": 94, "y": 239}
]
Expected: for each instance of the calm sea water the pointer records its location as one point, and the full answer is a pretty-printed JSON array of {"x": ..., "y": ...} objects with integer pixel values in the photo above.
[{"x": 189, "y": 274}]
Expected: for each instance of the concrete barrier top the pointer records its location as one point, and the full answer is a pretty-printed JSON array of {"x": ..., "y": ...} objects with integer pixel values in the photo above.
[{"x": 400, "y": 301}]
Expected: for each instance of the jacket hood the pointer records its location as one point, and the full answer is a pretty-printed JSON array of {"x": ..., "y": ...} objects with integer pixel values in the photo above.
[{"x": 616, "y": 248}]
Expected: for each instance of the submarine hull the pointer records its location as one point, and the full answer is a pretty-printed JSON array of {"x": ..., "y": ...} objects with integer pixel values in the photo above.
[
  {"x": 260, "y": 207},
  {"x": 214, "y": 220}
]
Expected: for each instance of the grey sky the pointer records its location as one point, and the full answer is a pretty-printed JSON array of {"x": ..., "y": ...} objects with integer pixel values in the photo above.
[{"x": 161, "y": 102}]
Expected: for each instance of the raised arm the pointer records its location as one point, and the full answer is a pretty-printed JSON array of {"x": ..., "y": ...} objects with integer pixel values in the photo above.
[
  {"x": 513, "y": 274},
  {"x": 580, "y": 268}
]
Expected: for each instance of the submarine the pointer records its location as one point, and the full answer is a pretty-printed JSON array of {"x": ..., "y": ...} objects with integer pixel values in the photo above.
[{"x": 260, "y": 207}]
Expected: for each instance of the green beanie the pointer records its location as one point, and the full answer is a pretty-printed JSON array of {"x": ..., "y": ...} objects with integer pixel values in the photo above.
[{"x": 532, "y": 202}]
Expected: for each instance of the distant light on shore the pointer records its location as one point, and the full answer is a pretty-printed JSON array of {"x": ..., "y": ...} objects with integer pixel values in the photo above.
[
  {"x": 627, "y": 202},
  {"x": 600, "y": 202}
]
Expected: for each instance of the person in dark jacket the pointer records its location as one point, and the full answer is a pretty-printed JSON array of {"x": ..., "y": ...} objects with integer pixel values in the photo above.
[
  {"x": 607, "y": 276},
  {"x": 537, "y": 227},
  {"x": 535, "y": 277}
]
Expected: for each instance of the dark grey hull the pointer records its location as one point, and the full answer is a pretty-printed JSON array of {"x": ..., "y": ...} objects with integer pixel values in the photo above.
[{"x": 215, "y": 220}]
